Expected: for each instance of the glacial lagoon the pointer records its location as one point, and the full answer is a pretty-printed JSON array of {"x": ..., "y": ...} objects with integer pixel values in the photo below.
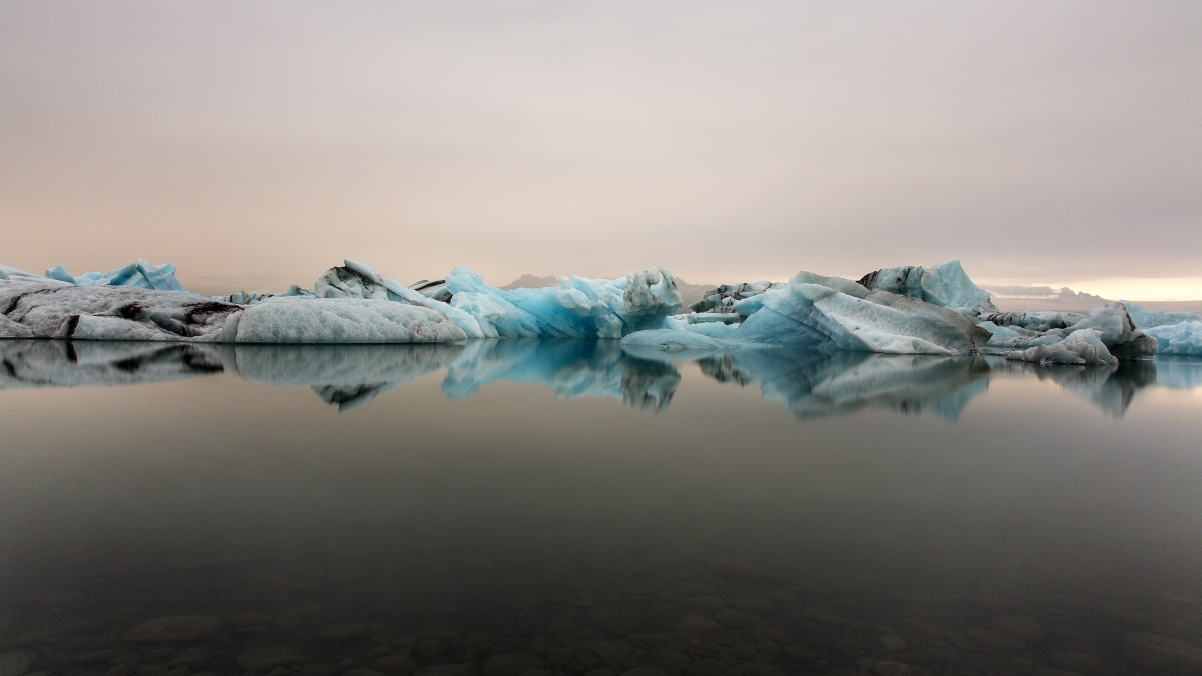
[{"x": 539, "y": 507}]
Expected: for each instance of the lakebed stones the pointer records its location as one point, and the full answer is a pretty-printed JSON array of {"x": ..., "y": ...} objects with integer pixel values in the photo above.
[
  {"x": 174, "y": 629},
  {"x": 671, "y": 661},
  {"x": 993, "y": 641},
  {"x": 190, "y": 657},
  {"x": 1022, "y": 629},
  {"x": 15, "y": 664},
  {"x": 887, "y": 668},
  {"x": 263, "y": 660},
  {"x": 510, "y": 664},
  {"x": 395, "y": 665},
  {"x": 1163, "y": 653},
  {"x": 644, "y": 671},
  {"x": 739, "y": 620},
  {"x": 705, "y": 604},
  {"x": 612, "y": 653},
  {"x": 465, "y": 669},
  {"x": 698, "y": 627},
  {"x": 1086, "y": 665},
  {"x": 344, "y": 631}
]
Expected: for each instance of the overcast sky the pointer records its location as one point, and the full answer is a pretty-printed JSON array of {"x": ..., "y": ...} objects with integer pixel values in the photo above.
[{"x": 258, "y": 144}]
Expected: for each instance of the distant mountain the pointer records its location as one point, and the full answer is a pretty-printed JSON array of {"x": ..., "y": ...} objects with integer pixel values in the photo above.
[
  {"x": 1009, "y": 298},
  {"x": 691, "y": 293},
  {"x": 529, "y": 281}
]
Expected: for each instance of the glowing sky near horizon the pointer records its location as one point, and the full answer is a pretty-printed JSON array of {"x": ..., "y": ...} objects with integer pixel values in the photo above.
[{"x": 257, "y": 144}]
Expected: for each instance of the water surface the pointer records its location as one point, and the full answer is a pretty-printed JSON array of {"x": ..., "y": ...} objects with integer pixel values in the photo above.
[{"x": 745, "y": 514}]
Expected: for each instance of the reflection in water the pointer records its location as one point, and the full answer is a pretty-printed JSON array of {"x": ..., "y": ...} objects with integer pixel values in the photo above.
[
  {"x": 1112, "y": 387},
  {"x": 495, "y": 531},
  {"x": 56, "y": 363},
  {"x": 807, "y": 384},
  {"x": 812, "y": 384},
  {"x": 349, "y": 376}
]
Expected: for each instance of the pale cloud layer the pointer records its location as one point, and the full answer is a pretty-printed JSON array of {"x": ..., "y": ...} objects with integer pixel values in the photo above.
[{"x": 257, "y": 144}]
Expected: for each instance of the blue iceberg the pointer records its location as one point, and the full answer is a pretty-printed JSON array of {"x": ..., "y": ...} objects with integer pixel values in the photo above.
[
  {"x": 829, "y": 313},
  {"x": 139, "y": 275}
]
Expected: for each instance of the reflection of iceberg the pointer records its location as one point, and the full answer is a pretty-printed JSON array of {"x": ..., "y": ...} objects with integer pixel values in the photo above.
[
  {"x": 814, "y": 384},
  {"x": 574, "y": 368},
  {"x": 347, "y": 375},
  {"x": 808, "y": 383},
  {"x": 56, "y": 363},
  {"x": 1111, "y": 387}
]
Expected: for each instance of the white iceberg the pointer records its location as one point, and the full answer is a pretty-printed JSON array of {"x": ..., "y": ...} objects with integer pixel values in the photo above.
[
  {"x": 1080, "y": 347},
  {"x": 339, "y": 320},
  {"x": 1039, "y": 336}
]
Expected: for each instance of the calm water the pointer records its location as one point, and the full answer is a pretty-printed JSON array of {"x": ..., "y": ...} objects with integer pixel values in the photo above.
[{"x": 508, "y": 506}]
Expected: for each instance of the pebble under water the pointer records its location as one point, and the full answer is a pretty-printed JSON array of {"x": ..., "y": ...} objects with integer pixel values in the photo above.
[{"x": 539, "y": 508}]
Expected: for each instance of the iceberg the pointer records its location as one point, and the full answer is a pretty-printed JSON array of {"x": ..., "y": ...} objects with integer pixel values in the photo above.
[
  {"x": 1184, "y": 338},
  {"x": 139, "y": 275},
  {"x": 339, "y": 320},
  {"x": 1147, "y": 319},
  {"x": 578, "y": 308},
  {"x": 904, "y": 310},
  {"x": 945, "y": 285},
  {"x": 830, "y": 313},
  {"x": 50, "y": 309},
  {"x": 1106, "y": 334},
  {"x": 44, "y": 308}
]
